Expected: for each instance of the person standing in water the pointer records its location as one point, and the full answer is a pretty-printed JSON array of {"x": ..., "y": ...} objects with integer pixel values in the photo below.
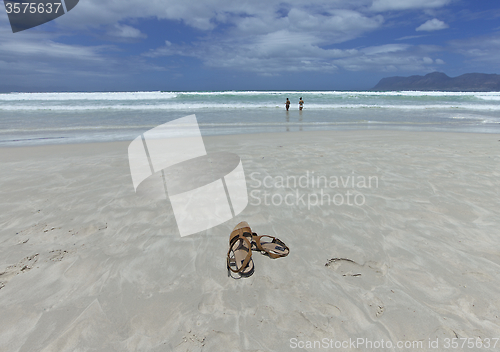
[
  {"x": 301, "y": 103},
  {"x": 287, "y": 104}
]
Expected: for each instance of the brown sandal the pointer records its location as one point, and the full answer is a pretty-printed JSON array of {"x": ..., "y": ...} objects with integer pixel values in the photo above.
[
  {"x": 240, "y": 245},
  {"x": 274, "y": 249}
]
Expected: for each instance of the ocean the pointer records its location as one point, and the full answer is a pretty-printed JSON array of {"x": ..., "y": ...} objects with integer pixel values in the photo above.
[{"x": 53, "y": 118}]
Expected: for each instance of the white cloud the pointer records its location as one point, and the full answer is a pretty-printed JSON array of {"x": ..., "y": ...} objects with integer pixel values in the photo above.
[
  {"x": 37, "y": 46},
  {"x": 432, "y": 25},
  {"x": 383, "y": 49},
  {"x": 207, "y": 14},
  {"x": 485, "y": 49},
  {"x": 410, "y": 37},
  {"x": 389, "y": 58},
  {"x": 125, "y": 32},
  {"x": 334, "y": 26},
  {"x": 276, "y": 52},
  {"x": 194, "y": 13},
  {"x": 34, "y": 60},
  {"x": 282, "y": 52},
  {"x": 391, "y": 5},
  {"x": 347, "y": 23},
  {"x": 270, "y": 41}
]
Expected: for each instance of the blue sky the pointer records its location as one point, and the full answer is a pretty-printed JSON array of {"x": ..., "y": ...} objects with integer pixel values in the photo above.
[{"x": 132, "y": 45}]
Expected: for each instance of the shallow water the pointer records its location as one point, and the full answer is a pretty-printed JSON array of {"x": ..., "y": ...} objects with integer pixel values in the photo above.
[{"x": 49, "y": 118}]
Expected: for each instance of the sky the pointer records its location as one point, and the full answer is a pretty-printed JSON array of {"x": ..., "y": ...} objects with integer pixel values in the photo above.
[{"x": 211, "y": 45}]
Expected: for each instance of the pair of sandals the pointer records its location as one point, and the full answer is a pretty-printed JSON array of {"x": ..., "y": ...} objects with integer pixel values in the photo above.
[{"x": 243, "y": 241}]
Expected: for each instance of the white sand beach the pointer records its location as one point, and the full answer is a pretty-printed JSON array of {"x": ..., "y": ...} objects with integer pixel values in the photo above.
[{"x": 86, "y": 265}]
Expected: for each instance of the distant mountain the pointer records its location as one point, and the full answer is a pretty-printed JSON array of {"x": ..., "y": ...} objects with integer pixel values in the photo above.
[{"x": 469, "y": 82}]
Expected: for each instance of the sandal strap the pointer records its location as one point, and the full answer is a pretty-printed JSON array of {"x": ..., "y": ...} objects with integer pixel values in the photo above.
[
  {"x": 270, "y": 253},
  {"x": 245, "y": 231},
  {"x": 248, "y": 256},
  {"x": 234, "y": 236}
]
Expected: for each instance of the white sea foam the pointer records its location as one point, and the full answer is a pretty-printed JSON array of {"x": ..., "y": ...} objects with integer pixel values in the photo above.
[
  {"x": 87, "y": 96},
  {"x": 489, "y": 97},
  {"x": 199, "y": 106},
  {"x": 170, "y": 95}
]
